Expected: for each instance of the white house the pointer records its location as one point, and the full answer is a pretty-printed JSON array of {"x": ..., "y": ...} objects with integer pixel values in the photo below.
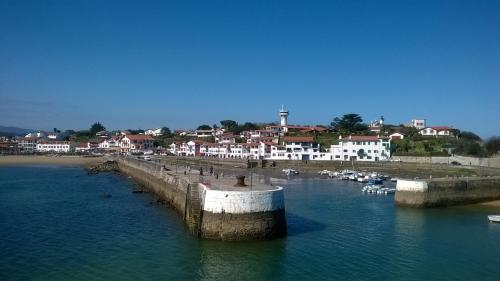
[
  {"x": 296, "y": 148},
  {"x": 136, "y": 143},
  {"x": 154, "y": 132},
  {"x": 417, "y": 123},
  {"x": 362, "y": 148},
  {"x": 54, "y": 146},
  {"x": 109, "y": 144},
  {"x": 396, "y": 136},
  {"x": 437, "y": 131},
  {"x": 205, "y": 133},
  {"x": 38, "y": 134},
  {"x": 52, "y": 136},
  {"x": 225, "y": 138}
]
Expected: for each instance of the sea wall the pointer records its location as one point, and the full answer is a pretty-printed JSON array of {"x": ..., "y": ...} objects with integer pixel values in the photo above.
[
  {"x": 447, "y": 191},
  {"x": 210, "y": 213},
  {"x": 493, "y": 162}
]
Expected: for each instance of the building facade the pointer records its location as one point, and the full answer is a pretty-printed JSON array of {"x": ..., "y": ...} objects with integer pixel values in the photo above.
[{"x": 362, "y": 148}]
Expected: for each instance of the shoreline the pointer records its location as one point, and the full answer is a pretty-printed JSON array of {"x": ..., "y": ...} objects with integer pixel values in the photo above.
[{"x": 22, "y": 160}]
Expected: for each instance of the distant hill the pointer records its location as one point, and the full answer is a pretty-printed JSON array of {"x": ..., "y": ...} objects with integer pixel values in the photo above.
[{"x": 14, "y": 131}]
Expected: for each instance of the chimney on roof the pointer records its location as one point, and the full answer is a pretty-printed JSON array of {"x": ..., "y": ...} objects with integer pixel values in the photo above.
[
  {"x": 340, "y": 137},
  {"x": 350, "y": 137}
]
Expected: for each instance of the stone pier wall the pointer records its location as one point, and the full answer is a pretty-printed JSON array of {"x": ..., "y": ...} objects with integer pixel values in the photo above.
[
  {"x": 447, "y": 192},
  {"x": 236, "y": 215},
  {"x": 213, "y": 214}
]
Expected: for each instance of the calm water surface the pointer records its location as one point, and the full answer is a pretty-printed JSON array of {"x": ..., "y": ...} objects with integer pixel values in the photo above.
[{"x": 55, "y": 225}]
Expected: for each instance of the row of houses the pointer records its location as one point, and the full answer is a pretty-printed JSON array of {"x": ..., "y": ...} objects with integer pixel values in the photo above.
[
  {"x": 122, "y": 144},
  {"x": 359, "y": 148}
]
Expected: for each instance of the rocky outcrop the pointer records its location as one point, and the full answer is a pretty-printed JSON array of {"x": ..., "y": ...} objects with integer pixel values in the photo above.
[{"x": 107, "y": 166}]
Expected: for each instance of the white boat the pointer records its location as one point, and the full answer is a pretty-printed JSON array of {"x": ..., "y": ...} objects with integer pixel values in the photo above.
[
  {"x": 290, "y": 172},
  {"x": 324, "y": 172},
  {"x": 333, "y": 174},
  {"x": 363, "y": 179},
  {"x": 494, "y": 218}
]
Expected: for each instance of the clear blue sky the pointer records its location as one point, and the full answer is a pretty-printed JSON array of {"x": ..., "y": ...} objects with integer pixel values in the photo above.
[{"x": 143, "y": 64}]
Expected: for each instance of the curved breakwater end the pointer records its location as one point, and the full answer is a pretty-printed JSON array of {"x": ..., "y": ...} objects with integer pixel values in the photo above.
[{"x": 217, "y": 212}]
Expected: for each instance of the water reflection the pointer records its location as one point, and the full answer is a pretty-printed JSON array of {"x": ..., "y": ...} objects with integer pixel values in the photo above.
[{"x": 260, "y": 260}]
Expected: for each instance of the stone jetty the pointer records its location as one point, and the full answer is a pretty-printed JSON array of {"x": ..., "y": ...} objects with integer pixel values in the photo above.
[
  {"x": 444, "y": 192},
  {"x": 212, "y": 207}
]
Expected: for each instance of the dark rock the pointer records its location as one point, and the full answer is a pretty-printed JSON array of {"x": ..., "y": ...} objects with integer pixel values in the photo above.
[{"x": 108, "y": 166}]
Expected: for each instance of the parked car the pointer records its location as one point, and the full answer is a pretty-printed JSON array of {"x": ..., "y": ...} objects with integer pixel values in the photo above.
[
  {"x": 147, "y": 158},
  {"x": 455, "y": 163}
]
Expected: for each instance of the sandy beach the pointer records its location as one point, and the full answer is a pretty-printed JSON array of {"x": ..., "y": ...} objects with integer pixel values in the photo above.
[{"x": 15, "y": 160}]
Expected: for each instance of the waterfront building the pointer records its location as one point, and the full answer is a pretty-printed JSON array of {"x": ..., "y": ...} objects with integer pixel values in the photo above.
[
  {"x": 296, "y": 148},
  {"x": 110, "y": 144},
  {"x": 81, "y": 147},
  {"x": 28, "y": 144},
  {"x": 136, "y": 143},
  {"x": 437, "y": 131},
  {"x": 362, "y": 148},
  {"x": 55, "y": 146}
]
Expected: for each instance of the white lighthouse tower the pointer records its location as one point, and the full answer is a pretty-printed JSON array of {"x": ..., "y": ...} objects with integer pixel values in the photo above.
[{"x": 283, "y": 116}]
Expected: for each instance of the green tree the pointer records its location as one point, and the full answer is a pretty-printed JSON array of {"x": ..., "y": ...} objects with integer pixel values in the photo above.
[
  {"x": 349, "y": 123},
  {"x": 204, "y": 127},
  {"x": 493, "y": 145},
  {"x": 96, "y": 127},
  {"x": 165, "y": 131},
  {"x": 468, "y": 136},
  {"x": 410, "y": 132},
  {"x": 228, "y": 124}
]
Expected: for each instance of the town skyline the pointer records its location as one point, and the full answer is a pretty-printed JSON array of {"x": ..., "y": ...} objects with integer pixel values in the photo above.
[{"x": 182, "y": 64}]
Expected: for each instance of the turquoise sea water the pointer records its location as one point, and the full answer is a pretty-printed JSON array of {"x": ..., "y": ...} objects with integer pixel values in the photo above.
[{"x": 55, "y": 225}]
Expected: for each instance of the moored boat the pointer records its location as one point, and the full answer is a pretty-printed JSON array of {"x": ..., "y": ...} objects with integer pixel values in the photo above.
[{"x": 494, "y": 218}]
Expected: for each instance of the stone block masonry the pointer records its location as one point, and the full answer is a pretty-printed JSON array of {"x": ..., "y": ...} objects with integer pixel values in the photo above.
[
  {"x": 214, "y": 211},
  {"x": 447, "y": 191}
]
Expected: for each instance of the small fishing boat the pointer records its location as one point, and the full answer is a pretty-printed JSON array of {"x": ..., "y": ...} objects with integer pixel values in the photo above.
[
  {"x": 375, "y": 181},
  {"x": 494, "y": 218},
  {"x": 290, "y": 172},
  {"x": 324, "y": 172}
]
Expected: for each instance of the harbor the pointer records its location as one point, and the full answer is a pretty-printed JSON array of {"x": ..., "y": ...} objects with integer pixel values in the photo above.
[{"x": 129, "y": 236}]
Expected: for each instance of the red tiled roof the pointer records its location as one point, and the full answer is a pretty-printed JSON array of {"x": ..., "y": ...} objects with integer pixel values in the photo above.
[
  {"x": 441, "y": 128},
  {"x": 298, "y": 139},
  {"x": 362, "y": 138},
  {"x": 139, "y": 137},
  {"x": 53, "y": 142},
  {"x": 81, "y": 144}
]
